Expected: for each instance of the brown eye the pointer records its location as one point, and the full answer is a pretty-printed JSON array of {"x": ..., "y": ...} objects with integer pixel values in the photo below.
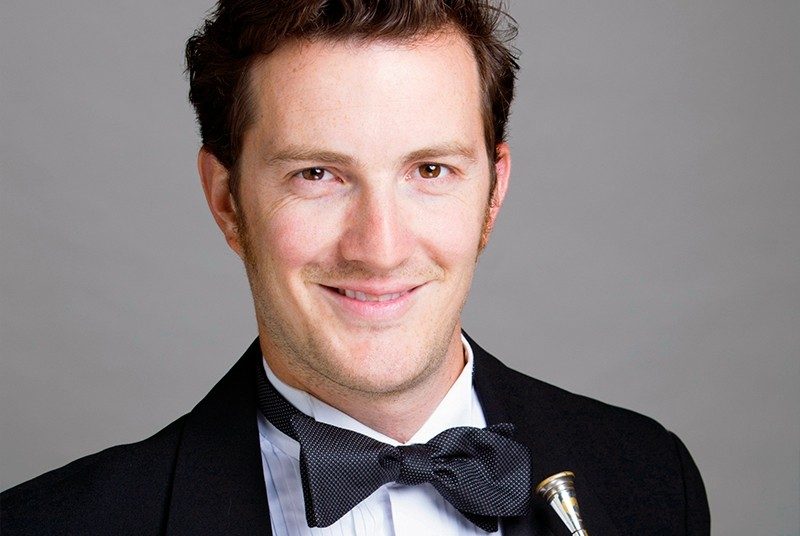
[
  {"x": 430, "y": 171},
  {"x": 313, "y": 174}
]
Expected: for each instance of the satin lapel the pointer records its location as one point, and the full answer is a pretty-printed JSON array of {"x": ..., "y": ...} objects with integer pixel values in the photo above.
[
  {"x": 219, "y": 482},
  {"x": 507, "y": 396}
]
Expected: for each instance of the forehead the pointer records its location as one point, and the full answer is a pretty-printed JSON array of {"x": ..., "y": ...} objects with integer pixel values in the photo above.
[{"x": 358, "y": 93}]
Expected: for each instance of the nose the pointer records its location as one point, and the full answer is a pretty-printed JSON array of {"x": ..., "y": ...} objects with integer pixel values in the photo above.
[{"x": 377, "y": 232}]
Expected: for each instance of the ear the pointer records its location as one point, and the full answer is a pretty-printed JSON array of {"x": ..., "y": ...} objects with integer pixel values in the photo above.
[
  {"x": 215, "y": 178},
  {"x": 502, "y": 170}
]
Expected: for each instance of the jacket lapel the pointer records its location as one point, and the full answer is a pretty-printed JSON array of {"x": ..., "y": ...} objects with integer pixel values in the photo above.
[
  {"x": 506, "y": 396},
  {"x": 218, "y": 487}
]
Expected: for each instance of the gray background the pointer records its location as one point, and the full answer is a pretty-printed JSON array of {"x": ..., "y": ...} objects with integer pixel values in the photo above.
[{"x": 648, "y": 253}]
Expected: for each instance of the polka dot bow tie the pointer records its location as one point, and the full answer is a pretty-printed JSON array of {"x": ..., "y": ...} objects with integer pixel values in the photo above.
[{"x": 482, "y": 472}]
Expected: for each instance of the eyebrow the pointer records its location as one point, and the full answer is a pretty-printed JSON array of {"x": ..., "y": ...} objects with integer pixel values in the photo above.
[
  {"x": 296, "y": 153},
  {"x": 299, "y": 153},
  {"x": 443, "y": 150}
]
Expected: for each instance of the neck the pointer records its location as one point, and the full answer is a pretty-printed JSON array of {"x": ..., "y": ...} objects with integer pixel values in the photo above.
[{"x": 398, "y": 413}]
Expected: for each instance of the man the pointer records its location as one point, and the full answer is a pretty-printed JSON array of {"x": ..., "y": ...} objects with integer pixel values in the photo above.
[{"x": 354, "y": 158}]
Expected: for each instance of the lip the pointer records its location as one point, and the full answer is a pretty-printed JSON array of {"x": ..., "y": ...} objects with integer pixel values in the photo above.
[{"x": 394, "y": 302}]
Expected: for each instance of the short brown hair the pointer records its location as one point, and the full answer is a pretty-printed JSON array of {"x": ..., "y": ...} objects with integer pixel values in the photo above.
[{"x": 220, "y": 53}]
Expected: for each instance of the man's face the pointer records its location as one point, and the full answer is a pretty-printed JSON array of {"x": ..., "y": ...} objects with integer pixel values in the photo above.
[{"x": 362, "y": 202}]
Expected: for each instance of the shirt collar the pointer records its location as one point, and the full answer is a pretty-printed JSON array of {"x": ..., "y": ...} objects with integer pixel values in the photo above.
[{"x": 455, "y": 409}]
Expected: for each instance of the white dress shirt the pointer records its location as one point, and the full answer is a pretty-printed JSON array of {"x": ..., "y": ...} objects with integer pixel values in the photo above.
[{"x": 392, "y": 510}]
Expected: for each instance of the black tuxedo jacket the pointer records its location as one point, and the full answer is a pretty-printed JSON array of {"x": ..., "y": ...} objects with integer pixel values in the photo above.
[{"x": 202, "y": 474}]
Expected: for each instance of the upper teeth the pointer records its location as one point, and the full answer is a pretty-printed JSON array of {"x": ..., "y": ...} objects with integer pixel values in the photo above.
[{"x": 363, "y": 296}]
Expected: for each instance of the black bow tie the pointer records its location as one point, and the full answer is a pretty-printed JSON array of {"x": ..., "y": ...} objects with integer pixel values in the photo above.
[{"x": 482, "y": 472}]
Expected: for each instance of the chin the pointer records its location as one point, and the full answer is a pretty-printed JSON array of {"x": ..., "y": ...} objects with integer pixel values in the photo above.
[
  {"x": 378, "y": 374},
  {"x": 387, "y": 361}
]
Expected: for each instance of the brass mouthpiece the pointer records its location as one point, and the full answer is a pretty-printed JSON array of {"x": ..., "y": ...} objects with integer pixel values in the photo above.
[{"x": 559, "y": 491}]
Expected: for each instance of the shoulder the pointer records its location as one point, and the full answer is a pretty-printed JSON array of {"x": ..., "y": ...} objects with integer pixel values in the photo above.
[
  {"x": 592, "y": 416},
  {"x": 520, "y": 394},
  {"x": 111, "y": 491},
  {"x": 632, "y": 463}
]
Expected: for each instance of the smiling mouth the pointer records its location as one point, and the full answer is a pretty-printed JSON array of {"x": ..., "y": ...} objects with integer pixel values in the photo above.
[{"x": 365, "y": 297}]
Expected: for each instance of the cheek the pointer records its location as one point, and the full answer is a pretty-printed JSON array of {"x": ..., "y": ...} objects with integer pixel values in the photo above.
[
  {"x": 300, "y": 235},
  {"x": 453, "y": 230}
]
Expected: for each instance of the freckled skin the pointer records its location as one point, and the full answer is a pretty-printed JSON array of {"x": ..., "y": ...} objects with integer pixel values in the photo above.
[{"x": 365, "y": 166}]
